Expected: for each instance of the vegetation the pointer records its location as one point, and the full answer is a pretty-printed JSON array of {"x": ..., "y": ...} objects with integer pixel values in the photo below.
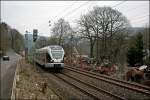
[
  {"x": 61, "y": 31},
  {"x": 102, "y": 24},
  {"x": 5, "y": 37},
  {"x": 135, "y": 53},
  {"x": 17, "y": 41},
  {"x": 101, "y": 32},
  {"x": 10, "y": 38}
]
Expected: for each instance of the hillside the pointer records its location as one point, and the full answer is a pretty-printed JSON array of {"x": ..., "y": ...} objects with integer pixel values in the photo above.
[{"x": 10, "y": 39}]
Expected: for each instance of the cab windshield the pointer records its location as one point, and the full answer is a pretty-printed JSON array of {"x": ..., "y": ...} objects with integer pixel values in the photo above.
[{"x": 57, "y": 54}]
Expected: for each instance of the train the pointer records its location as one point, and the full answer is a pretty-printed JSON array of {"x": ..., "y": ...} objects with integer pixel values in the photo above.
[{"x": 50, "y": 56}]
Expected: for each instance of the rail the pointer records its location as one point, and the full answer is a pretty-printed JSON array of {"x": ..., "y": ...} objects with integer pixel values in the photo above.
[
  {"x": 96, "y": 88},
  {"x": 115, "y": 82}
]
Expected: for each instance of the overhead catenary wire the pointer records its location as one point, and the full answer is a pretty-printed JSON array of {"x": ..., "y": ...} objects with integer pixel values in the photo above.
[
  {"x": 88, "y": 2},
  {"x": 60, "y": 12},
  {"x": 141, "y": 17},
  {"x": 74, "y": 10},
  {"x": 85, "y": 3},
  {"x": 119, "y": 4},
  {"x": 137, "y": 18},
  {"x": 142, "y": 22},
  {"x": 134, "y": 8},
  {"x": 65, "y": 9}
]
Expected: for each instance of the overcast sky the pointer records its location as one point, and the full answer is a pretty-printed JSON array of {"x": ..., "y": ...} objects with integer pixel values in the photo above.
[{"x": 29, "y": 15}]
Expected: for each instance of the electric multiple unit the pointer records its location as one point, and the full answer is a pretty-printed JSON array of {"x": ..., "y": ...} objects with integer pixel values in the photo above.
[{"x": 50, "y": 56}]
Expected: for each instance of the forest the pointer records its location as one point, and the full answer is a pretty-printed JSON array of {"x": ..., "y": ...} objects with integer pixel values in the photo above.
[{"x": 10, "y": 39}]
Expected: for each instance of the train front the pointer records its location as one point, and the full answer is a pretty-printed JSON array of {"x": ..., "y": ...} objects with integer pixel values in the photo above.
[{"x": 57, "y": 56}]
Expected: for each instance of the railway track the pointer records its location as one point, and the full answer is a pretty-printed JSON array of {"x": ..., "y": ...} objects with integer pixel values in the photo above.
[
  {"x": 79, "y": 88},
  {"x": 83, "y": 89},
  {"x": 115, "y": 80},
  {"x": 46, "y": 74},
  {"x": 126, "y": 85},
  {"x": 88, "y": 89},
  {"x": 70, "y": 77}
]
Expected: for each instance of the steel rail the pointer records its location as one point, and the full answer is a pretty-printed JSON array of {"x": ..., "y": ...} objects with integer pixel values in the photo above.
[
  {"x": 82, "y": 90},
  {"x": 43, "y": 70},
  {"x": 116, "y": 80},
  {"x": 110, "y": 81},
  {"x": 96, "y": 88}
]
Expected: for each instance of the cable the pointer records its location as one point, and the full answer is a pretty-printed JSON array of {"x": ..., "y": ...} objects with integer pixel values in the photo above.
[
  {"x": 65, "y": 9},
  {"x": 135, "y": 20},
  {"x": 119, "y": 4},
  {"x": 91, "y": 4},
  {"x": 134, "y": 8},
  {"x": 72, "y": 11},
  {"x": 139, "y": 19},
  {"x": 142, "y": 23},
  {"x": 112, "y": 7}
]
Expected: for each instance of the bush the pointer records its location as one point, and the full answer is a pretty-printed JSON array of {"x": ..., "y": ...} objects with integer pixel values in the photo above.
[{"x": 135, "y": 53}]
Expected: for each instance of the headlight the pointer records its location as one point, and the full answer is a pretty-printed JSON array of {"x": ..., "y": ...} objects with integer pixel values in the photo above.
[{"x": 52, "y": 61}]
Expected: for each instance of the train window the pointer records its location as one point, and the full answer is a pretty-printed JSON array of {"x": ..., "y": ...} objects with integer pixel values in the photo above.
[
  {"x": 56, "y": 48},
  {"x": 57, "y": 54}
]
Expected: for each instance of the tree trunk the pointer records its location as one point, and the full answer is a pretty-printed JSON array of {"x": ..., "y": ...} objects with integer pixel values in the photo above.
[
  {"x": 59, "y": 41},
  {"x": 91, "y": 50}
]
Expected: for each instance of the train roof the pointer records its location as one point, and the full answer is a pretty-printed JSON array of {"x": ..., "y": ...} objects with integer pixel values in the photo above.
[{"x": 52, "y": 47}]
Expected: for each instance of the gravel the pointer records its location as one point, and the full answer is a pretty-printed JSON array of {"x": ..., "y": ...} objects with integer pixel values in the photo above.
[
  {"x": 129, "y": 94},
  {"x": 98, "y": 94},
  {"x": 31, "y": 85},
  {"x": 37, "y": 83}
]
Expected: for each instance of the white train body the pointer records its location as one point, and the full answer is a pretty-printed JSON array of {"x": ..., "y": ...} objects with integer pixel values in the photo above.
[{"x": 50, "y": 56}]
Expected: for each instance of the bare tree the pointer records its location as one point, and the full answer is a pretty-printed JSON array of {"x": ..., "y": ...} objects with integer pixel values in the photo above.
[
  {"x": 86, "y": 31},
  {"x": 102, "y": 23},
  {"x": 60, "y": 29},
  {"x": 110, "y": 22}
]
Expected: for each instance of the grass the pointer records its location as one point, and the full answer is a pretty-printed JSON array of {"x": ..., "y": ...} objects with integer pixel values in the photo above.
[{"x": 31, "y": 84}]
